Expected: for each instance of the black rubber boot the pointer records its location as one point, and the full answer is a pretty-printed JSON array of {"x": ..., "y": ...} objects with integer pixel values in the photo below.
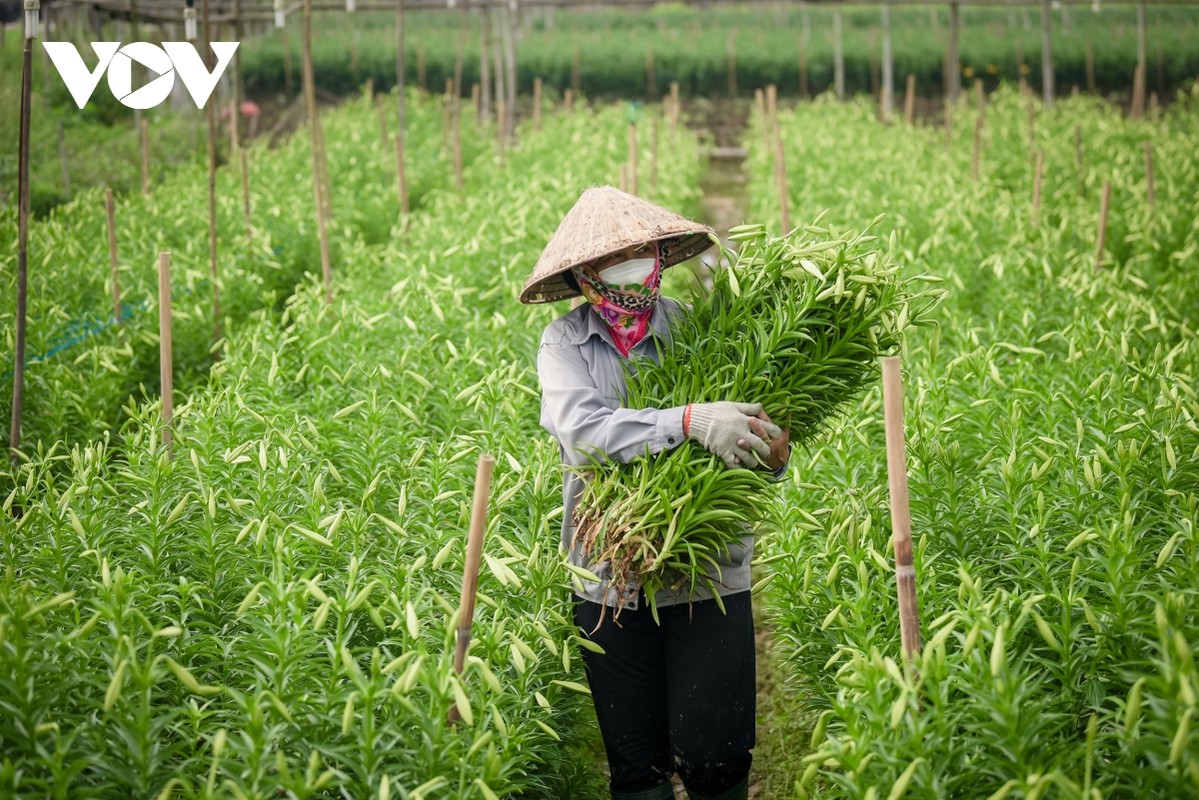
[
  {"x": 663, "y": 791},
  {"x": 738, "y": 792}
]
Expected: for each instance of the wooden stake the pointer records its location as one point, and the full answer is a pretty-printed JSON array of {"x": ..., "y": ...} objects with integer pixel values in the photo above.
[
  {"x": 653, "y": 157},
  {"x": 234, "y": 144},
  {"x": 420, "y": 67},
  {"x": 901, "y": 520},
  {"x": 401, "y": 177},
  {"x": 1032, "y": 125},
  {"x": 110, "y": 217},
  {"x": 484, "y": 67},
  {"x": 18, "y": 375},
  {"x": 245, "y": 194},
  {"x": 1078, "y": 164},
  {"x": 1046, "y": 56},
  {"x": 314, "y": 133},
  {"x": 475, "y": 100},
  {"x": 213, "y": 268},
  {"x": 568, "y": 99},
  {"x": 1138, "y": 92},
  {"x": 909, "y": 100},
  {"x": 732, "y": 62},
  {"x": 953, "y": 68},
  {"x": 575, "y": 72},
  {"x": 978, "y": 135},
  {"x": 1101, "y": 239},
  {"x": 401, "y": 94},
  {"x": 804, "y": 89},
  {"x": 760, "y": 103},
  {"x": 1151, "y": 194},
  {"x": 143, "y": 135},
  {"x": 674, "y": 104},
  {"x": 651, "y": 75},
  {"x": 632, "y": 158},
  {"x": 537, "y": 103},
  {"x": 165, "y": 357},
  {"x": 1090, "y": 67},
  {"x": 838, "y": 56},
  {"x": 888, "y": 97},
  {"x": 62, "y": 157},
  {"x": 1036, "y": 186},
  {"x": 457, "y": 134},
  {"x": 470, "y": 572},
  {"x": 780, "y": 179}
]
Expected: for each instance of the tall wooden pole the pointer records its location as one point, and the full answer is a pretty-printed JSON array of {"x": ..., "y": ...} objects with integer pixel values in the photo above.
[
  {"x": 838, "y": 56},
  {"x": 1046, "y": 56},
  {"x": 402, "y": 109},
  {"x": 470, "y": 572},
  {"x": 210, "y": 109},
  {"x": 315, "y": 136},
  {"x": 18, "y": 375},
  {"x": 166, "y": 370},
  {"x": 953, "y": 70},
  {"x": 901, "y": 521},
  {"x": 110, "y": 217},
  {"x": 484, "y": 67},
  {"x": 888, "y": 89},
  {"x": 1142, "y": 60}
]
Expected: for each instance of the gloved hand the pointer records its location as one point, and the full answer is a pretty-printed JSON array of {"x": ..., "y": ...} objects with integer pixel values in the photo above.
[{"x": 722, "y": 427}]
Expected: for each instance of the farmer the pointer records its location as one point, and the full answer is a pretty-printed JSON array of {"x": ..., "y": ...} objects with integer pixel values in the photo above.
[{"x": 679, "y": 696}]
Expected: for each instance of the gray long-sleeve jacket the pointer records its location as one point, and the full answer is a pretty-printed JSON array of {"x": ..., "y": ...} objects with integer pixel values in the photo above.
[{"x": 582, "y": 388}]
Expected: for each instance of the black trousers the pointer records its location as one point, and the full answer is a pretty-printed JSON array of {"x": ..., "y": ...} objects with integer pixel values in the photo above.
[{"x": 675, "y": 697}]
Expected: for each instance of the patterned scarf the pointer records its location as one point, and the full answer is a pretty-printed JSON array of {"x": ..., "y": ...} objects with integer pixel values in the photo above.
[{"x": 626, "y": 308}]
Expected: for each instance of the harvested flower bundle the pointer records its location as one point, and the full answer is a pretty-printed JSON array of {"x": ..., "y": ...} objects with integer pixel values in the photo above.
[{"x": 796, "y": 323}]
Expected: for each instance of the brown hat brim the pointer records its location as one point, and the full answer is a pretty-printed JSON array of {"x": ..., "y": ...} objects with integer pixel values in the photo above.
[{"x": 605, "y": 221}]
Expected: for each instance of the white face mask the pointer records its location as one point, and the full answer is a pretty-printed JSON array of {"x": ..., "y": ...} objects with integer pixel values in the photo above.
[{"x": 632, "y": 271}]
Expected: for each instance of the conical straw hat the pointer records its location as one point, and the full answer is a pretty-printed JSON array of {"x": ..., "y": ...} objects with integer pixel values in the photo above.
[{"x": 603, "y": 221}]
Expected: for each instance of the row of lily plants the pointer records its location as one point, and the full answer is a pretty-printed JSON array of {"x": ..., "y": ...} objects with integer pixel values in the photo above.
[
  {"x": 1052, "y": 454},
  {"x": 83, "y": 362},
  {"x": 271, "y": 610}
]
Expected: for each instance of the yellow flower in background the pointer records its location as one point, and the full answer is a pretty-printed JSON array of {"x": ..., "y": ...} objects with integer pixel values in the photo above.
[
  {"x": 1024, "y": 70},
  {"x": 992, "y": 69},
  {"x": 968, "y": 72}
]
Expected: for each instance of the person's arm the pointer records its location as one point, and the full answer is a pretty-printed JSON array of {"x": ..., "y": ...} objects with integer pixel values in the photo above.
[{"x": 575, "y": 412}]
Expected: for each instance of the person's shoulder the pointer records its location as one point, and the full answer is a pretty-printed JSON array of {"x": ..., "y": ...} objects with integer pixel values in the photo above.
[{"x": 566, "y": 329}]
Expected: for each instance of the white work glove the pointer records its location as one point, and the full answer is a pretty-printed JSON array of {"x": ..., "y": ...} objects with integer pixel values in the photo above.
[{"x": 723, "y": 427}]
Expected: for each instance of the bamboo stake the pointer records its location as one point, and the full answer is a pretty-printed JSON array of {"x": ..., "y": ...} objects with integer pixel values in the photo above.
[
  {"x": 1046, "y": 56},
  {"x": 401, "y": 177},
  {"x": 143, "y": 136},
  {"x": 1078, "y": 163},
  {"x": 18, "y": 379},
  {"x": 484, "y": 67},
  {"x": 888, "y": 96},
  {"x": 537, "y": 103},
  {"x": 760, "y": 103},
  {"x": 213, "y": 269},
  {"x": 838, "y": 56},
  {"x": 780, "y": 179},
  {"x": 978, "y": 135},
  {"x": 568, "y": 99},
  {"x": 401, "y": 98},
  {"x": 772, "y": 103},
  {"x": 475, "y": 100},
  {"x": 901, "y": 521},
  {"x": 803, "y": 71},
  {"x": 457, "y": 134},
  {"x": 1032, "y": 125},
  {"x": 731, "y": 48},
  {"x": 420, "y": 67},
  {"x": 384, "y": 137},
  {"x": 234, "y": 144},
  {"x": 110, "y": 217},
  {"x": 1036, "y": 186},
  {"x": 1138, "y": 88},
  {"x": 62, "y": 157},
  {"x": 575, "y": 70},
  {"x": 632, "y": 158},
  {"x": 245, "y": 194},
  {"x": 909, "y": 100},
  {"x": 314, "y": 133},
  {"x": 953, "y": 70},
  {"x": 1090, "y": 67},
  {"x": 497, "y": 63},
  {"x": 653, "y": 157},
  {"x": 651, "y": 74},
  {"x": 674, "y": 104},
  {"x": 1151, "y": 193},
  {"x": 165, "y": 357},
  {"x": 1101, "y": 239},
  {"x": 470, "y": 572},
  {"x": 511, "y": 35}
]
